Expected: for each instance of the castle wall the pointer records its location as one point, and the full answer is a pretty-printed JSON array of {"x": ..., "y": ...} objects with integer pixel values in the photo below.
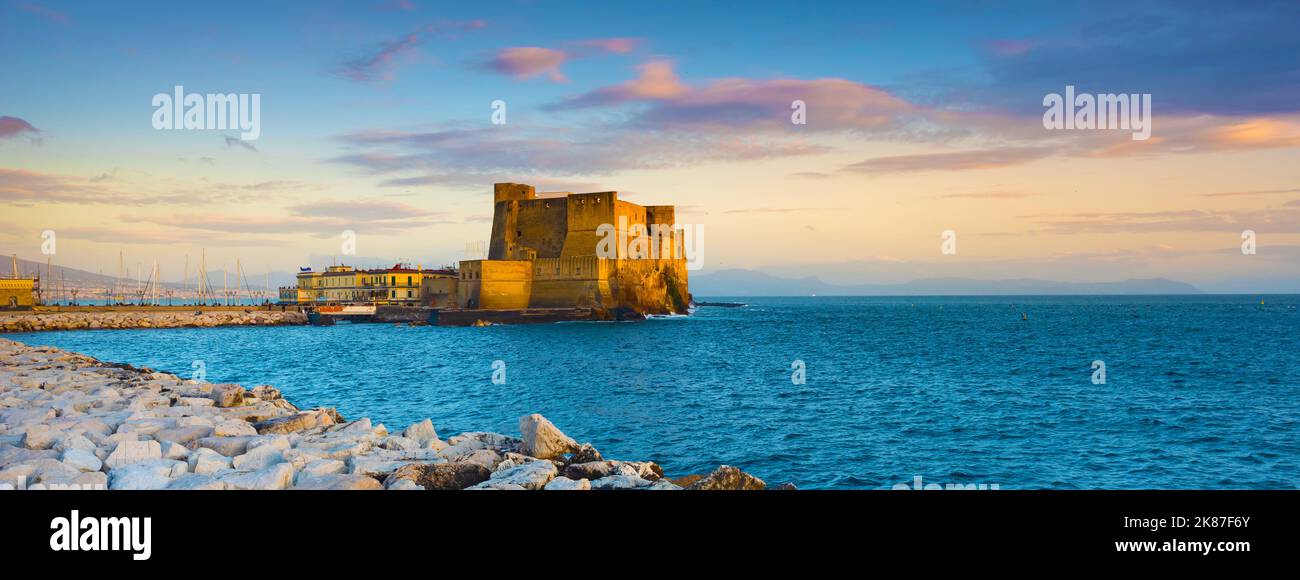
[
  {"x": 495, "y": 284},
  {"x": 570, "y": 282}
]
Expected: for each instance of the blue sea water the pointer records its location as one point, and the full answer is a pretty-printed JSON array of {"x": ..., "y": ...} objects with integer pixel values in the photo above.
[{"x": 1200, "y": 391}]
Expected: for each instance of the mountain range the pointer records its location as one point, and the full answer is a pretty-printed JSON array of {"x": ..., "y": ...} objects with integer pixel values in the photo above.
[{"x": 754, "y": 283}]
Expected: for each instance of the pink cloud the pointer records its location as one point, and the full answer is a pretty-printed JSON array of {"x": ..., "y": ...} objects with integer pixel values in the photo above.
[
  {"x": 526, "y": 62},
  {"x": 610, "y": 45},
  {"x": 13, "y": 127},
  {"x": 831, "y": 103}
]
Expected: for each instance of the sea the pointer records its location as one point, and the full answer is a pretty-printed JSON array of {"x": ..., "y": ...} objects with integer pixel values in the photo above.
[{"x": 1005, "y": 392}]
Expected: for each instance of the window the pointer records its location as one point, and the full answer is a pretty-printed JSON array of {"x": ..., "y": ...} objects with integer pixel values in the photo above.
[{"x": 408, "y": 293}]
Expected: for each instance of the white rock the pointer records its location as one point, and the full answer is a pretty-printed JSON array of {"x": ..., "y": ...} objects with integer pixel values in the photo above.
[
  {"x": 205, "y": 461},
  {"x": 278, "y": 476},
  {"x": 421, "y": 432},
  {"x": 620, "y": 482},
  {"x": 405, "y": 485},
  {"x": 233, "y": 428},
  {"x": 321, "y": 467},
  {"x": 196, "y": 481},
  {"x": 542, "y": 439},
  {"x": 258, "y": 458},
  {"x": 149, "y": 474},
  {"x": 82, "y": 460},
  {"x": 533, "y": 475},
  {"x": 128, "y": 452},
  {"x": 564, "y": 483},
  {"x": 173, "y": 450}
]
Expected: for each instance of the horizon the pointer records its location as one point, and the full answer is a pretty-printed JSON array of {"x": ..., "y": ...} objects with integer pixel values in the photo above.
[{"x": 377, "y": 118}]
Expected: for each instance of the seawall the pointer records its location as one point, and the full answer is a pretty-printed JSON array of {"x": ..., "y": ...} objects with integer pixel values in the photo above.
[
  {"x": 70, "y": 421},
  {"x": 146, "y": 318}
]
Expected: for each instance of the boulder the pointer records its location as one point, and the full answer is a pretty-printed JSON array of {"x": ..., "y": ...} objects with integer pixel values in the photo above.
[
  {"x": 205, "y": 461},
  {"x": 564, "y": 483},
  {"x": 228, "y": 446},
  {"x": 233, "y": 428},
  {"x": 533, "y": 475},
  {"x": 727, "y": 477},
  {"x": 405, "y": 485},
  {"x": 422, "y": 432},
  {"x": 81, "y": 460},
  {"x": 148, "y": 474},
  {"x": 128, "y": 452},
  {"x": 337, "y": 481},
  {"x": 196, "y": 481},
  {"x": 319, "y": 467},
  {"x": 227, "y": 395},
  {"x": 183, "y": 435},
  {"x": 294, "y": 423},
  {"x": 586, "y": 454},
  {"x": 542, "y": 439},
  {"x": 441, "y": 476},
  {"x": 258, "y": 458},
  {"x": 620, "y": 482},
  {"x": 278, "y": 476},
  {"x": 174, "y": 450}
]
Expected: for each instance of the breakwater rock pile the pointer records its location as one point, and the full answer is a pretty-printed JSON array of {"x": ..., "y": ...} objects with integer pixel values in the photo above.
[
  {"x": 31, "y": 322},
  {"x": 69, "y": 420}
]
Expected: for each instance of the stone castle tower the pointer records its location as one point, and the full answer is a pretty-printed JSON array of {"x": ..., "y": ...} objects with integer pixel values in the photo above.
[{"x": 543, "y": 254}]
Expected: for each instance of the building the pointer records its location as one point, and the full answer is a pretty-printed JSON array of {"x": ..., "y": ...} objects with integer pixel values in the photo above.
[
  {"x": 18, "y": 292},
  {"x": 544, "y": 254},
  {"x": 399, "y": 285}
]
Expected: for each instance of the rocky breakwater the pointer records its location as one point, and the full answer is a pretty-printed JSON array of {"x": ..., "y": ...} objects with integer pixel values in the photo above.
[
  {"x": 31, "y": 322},
  {"x": 69, "y": 420}
]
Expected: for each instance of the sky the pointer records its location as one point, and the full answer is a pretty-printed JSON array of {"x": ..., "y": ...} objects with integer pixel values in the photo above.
[{"x": 377, "y": 118}]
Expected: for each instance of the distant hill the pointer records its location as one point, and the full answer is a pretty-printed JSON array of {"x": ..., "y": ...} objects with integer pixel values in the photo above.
[
  {"x": 74, "y": 278},
  {"x": 753, "y": 283}
]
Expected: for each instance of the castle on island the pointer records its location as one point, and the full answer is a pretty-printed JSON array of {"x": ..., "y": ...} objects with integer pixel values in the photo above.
[{"x": 550, "y": 250}]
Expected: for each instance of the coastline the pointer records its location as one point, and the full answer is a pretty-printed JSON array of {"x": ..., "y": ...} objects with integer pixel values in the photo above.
[
  {"x": 145, "y": 317},
  {"x": 70, "y": 421}
]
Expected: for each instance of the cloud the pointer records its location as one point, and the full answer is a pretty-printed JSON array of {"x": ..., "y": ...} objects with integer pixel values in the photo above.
[
  {"x": 831, "y": 104},
  {"x": 462, "y": 155},
  {"x": 379, "y": 65},
  {"x": 526, "y": 62},
  {"x": 13, "y": 127},
  {"x": 963, "y": 160},
  {"x": 319, "y": 226},
  {"x": 608, "y": 45},
  {"x": 369, "y": 210},
  {"x": 25, "y": 187},
  {"x": 1193, "y": 58},
  {"x": 1245, "y": 193},
  {"x": 1271, "y": 220},
  {"x": 232, "y": 142}
]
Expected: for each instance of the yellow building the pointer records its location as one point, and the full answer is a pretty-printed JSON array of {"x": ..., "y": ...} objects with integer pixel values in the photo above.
[
  {"x": 399, "y": 285},
  {"x": 18, "y": 292},
  {"x": 544, "y": 254}
]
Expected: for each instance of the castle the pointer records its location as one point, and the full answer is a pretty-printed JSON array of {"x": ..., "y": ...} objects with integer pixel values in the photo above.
[{"x": 547, "y": 252}]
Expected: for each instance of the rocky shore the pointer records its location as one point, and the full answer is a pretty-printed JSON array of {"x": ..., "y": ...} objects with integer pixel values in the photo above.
[
  {"x": 31, "y": 322},
  {"x": 69, "y": 420}
]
